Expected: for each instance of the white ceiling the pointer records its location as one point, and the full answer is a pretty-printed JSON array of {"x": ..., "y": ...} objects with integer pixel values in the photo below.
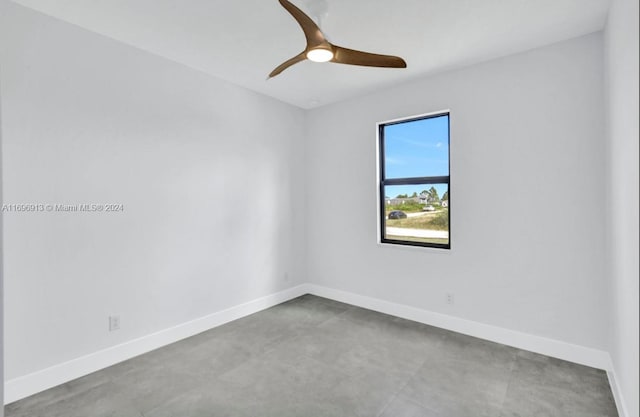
[{"x": 241, "y": 41}]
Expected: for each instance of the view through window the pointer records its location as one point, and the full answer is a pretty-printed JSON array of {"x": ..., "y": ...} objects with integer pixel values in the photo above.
[{"x": 414, "y": 181}]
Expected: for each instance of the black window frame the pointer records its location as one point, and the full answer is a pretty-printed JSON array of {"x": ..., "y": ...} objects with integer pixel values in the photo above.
[{"x": 383, "y": 181}]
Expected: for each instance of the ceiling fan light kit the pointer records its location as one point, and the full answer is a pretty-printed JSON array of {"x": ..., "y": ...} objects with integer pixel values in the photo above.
[
  {"x": 319, "y": 49},
  {"x": 320, "y": 55}
]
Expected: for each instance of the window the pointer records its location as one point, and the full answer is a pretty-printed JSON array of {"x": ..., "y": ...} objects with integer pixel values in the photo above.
[{"x": 414, "y": 181}]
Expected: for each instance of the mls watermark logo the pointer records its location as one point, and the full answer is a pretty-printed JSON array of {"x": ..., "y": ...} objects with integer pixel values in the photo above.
[{"x": 63, "y": 208}]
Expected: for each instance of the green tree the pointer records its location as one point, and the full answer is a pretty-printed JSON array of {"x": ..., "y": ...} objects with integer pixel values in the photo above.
[
  {"x": 414, "y": 194},
  {"x": 402, "y": 196},
  {"x": 432, "y": 195},
  {"x": 445, "y": 196}
]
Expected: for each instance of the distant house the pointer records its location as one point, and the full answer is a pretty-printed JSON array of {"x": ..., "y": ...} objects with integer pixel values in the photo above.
[
  {"x": 399, "y": 201},
  {"x": 445, "y": 203}
]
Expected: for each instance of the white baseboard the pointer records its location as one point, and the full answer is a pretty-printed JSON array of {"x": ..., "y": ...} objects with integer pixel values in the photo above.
[
  {"x": 27, "y": 385},
  {"x": 617, "y": 394},
  {"x": 30, "y": 384},
  {"x": 545, "y": 346},
  {"x": 542, "y": 345}
]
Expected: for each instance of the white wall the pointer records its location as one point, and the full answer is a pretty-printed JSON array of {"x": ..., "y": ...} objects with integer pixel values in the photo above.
[
  {"x": 212, "y": 207},
  {"x": 1, "y": 268},
  {"x": 213, "y": 179},
  {"x": 527, "y": 186},
  {"x": 622, "y": 85}
]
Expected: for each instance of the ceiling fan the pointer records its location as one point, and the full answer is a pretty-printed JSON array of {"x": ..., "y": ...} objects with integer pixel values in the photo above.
[{"x": 319, "y": 49}]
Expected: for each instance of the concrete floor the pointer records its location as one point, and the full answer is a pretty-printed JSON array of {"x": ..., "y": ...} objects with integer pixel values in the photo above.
[{"x": 313, "y": 357}]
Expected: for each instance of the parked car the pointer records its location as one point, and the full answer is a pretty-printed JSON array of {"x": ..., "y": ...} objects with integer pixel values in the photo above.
[
  {"x": 428, "y": 208},
  {"x": 397, "y": 214}
]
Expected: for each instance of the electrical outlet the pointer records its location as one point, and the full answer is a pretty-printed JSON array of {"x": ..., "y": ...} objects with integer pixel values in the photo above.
[
  {"x": 450, "y": 298},
  {"x": 114, "y": 323}
]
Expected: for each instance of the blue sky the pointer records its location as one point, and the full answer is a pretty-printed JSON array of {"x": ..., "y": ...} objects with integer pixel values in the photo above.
[{"x": 417, "y": 149}]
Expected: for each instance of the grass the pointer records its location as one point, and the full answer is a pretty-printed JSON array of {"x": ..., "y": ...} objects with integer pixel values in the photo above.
[
  {"x": 407, "y": 207},
  {"x": 435, "y": 220},
  {"x": 411, "y": 207}
]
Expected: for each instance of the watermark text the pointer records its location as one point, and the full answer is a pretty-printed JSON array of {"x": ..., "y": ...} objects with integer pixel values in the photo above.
[{"x": 63, "y": 208}]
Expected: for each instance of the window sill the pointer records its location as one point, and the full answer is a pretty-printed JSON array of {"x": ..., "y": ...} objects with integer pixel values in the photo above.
[{"x": 423, "y": 249}]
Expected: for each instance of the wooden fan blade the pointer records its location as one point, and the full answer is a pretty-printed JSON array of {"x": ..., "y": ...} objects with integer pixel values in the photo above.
[
  {"x": 352, "y": 57},
  {"x": 312, "y": 32},
  {"x": 298, "y": 58}
]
